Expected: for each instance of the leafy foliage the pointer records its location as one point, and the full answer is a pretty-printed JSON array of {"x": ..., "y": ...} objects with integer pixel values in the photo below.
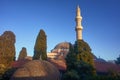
[
  {"x": 23, "y": 54},
  {"x": 2, "y": 69},
  {"x": 40, "y": 47},
  {"x": 7, "y": 50},
  {"x": 85, "y": 70},
  {"x": 71, "y": 75},
  {"x": 83, "y": 52},
  {"x": 97, "y": 77},
  {"x": 71, "y": 58},
  {"x": 8, "y": 73},
  {"x": 118, "y": 60},
  {"x": 80, "y": 64}
]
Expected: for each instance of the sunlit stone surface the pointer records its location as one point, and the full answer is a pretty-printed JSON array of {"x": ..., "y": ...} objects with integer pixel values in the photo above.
[{"x": 37, "y": 70}]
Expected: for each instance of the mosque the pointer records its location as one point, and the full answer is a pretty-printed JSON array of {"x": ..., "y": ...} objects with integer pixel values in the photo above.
[
  {"x": 62, "y": 48},
  {"x": 57, "y": 58},
  {"x": 58, "y": 54}
]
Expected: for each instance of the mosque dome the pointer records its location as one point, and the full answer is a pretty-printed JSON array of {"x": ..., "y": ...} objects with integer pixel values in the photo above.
[
  {"x": 37, "y": 70},
  {"x": 62, "y": 45},
  {"x": 61, "y": 50}
]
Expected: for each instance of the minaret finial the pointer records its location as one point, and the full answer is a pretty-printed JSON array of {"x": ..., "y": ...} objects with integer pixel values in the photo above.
[
  {"x": 78, "y": 6},
  {"x": 78, "y": 11}
]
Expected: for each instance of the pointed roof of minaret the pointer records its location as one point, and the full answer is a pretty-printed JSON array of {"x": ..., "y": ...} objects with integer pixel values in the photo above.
[
  {"x": 78, "y": 11},
  {"x": 78, "y": 8}
]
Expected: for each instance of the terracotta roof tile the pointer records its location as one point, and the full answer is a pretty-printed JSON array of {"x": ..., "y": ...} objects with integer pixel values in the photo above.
[
  {"x": 106, "y": 67},
  {"x": 61, "y": 65}
]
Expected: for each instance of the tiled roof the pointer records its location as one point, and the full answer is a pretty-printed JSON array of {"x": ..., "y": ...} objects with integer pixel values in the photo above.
[
  {"x": 106, "y": 67},
  {"x": 36, "y": 70},
  {"x": 61, "y": 65},
  {"x": 19, "y": 63}
]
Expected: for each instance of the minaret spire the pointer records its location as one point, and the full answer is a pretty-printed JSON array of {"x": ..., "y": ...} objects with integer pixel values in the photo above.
[
  {"x": 79, "y": 27},
  {"x": 78, "y": 11}
]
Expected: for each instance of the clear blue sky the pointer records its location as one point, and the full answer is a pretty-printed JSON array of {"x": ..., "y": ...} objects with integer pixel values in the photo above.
[{"x": 101, "y": 23}]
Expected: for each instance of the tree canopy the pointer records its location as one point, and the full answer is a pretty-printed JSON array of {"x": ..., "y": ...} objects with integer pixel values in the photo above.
[
  {"x": 22, "y": 54},
  {"x": 40, "y": 46},
  {"x": 7, "y": 50},
  {"x": 79, "y": 61},
  {"x": 83, "y": 52},
  {"x": 118, "y": 60}
]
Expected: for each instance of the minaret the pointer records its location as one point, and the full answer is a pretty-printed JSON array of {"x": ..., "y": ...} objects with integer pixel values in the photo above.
[{"x": 79, "y": 27}]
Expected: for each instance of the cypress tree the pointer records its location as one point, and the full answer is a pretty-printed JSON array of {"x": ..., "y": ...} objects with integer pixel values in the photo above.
[
  {"x": 71, "y": 62},
  {"x": 79, "y": 62},
  {"x": 70, "y": 58},
  {"x": 84, "y": 54},
  {"x": 23, "y": 54},
  {"x": 40, "y": 47}
]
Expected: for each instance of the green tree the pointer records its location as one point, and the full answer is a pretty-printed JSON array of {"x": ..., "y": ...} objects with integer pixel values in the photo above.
[
  {"x": 80, "y": 62},
  {"x": 7, "y": 50},
  {"x": 85, "y": 70},
  {"x": 71, "y": 58},
  {"x": 71, "y": 75},
  {"x": 40, "y": 47},
  {"x": 83, "y": 52},
  {"x": 2, "y": 69},
  {"x": 118, "y": 60},
  {"x": 8, "y": 73},
  {"x": 23, "y": 54}
]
